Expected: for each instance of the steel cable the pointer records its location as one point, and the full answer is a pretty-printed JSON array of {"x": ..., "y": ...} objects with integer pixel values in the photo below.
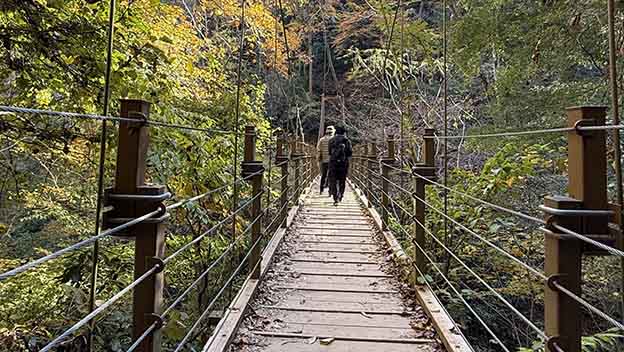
[
  {"x": 488, "y": 204},
  {"x": 457, "y": 293},
  {"x": 217, "y": 296},
  {"x": 483, "y": 239},
  {"x": 613, "y": 251},
  {"x": 212, "y": 229},
  {"x": 64, "y": 114},
  {"x": 480, "y": 279},
  {"x": 587, "y": 305},
  {"x": 76, "y": 246},
  {"x": 99, "y": 309}
]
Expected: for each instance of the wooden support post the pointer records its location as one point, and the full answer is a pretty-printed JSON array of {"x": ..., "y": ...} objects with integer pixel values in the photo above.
[
  {"x": 282, "y": 157},
  {"x": 132, "y": 198},
  {"x": 253, "y": 170},
  {"x": 425, "y": 169},
  {"x": 364, "y": 172},
  {"x": 386, "y": 163},
  {"x": 296, "y": 155},
  {"x": 370, "y": 165},
  {"x": 563, "y": 253}
]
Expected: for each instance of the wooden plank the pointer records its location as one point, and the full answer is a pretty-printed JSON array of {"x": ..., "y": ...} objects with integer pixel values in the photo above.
[
  {"x": 333, "y": 289},
  {"x": 335, "y": 310},
  {"x": 344, "y": 238},
  {"x": 333, "y": 261},
  {"x": 346, "y": 338},
  {"x": 337, "y": 296},
  {"x": 295, "y": 301},
  {"x": 341, "y": 274},
  {"x": 225, "y": 330},
  {"x": 321, "y": 250},
  {"x": 285, "y": 344},
  {"x": 449, "y": 332}
]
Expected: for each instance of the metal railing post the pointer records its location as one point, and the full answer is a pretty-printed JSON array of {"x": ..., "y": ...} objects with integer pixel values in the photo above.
[
  {"x": 425, "y": 169},
  {"x": 587, "y": 188},
  {"x": 130, "y": 198},
  {"x": 386, "y": 163},
  {"x": 282, "y": 158},
  {"x": 253, "y": 170}
]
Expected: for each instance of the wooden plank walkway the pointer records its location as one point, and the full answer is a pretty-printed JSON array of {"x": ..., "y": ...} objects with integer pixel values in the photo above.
[{"x": 328, "y": 289}]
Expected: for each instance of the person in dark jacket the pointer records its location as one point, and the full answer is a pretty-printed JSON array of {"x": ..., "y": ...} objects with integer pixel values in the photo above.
[{"x": 339, "y": 154}]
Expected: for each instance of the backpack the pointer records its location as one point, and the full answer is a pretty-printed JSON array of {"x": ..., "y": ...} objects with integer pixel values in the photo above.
[{"x": 339, "y": 156}]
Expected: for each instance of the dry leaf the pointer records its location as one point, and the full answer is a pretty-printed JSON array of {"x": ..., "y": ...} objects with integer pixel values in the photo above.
[
  {"x": 312, "y": 340},
  {"x": 366, "y": 315},
  {"x": 327, "y": 341}
]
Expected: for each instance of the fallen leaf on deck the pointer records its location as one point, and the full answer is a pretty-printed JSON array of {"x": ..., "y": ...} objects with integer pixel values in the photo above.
[
  {"x": 312, "y": 340},
  {"x": 366, "y": 315},
  {"x": 327, "y": 341}
]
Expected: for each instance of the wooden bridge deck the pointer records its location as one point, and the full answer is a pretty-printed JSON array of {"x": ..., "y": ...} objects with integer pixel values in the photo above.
[{"x": 329, "y": 289}]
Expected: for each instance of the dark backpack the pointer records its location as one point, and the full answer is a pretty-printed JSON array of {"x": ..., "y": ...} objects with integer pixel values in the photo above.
[{"x": 339, "y": 156}]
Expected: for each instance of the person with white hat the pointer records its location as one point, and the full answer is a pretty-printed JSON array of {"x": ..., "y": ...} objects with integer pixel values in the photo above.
[{"x": 323, "y": 154}]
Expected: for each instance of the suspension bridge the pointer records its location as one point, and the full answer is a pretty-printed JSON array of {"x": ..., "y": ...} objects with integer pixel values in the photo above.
[{"x": 308, "y": 276}]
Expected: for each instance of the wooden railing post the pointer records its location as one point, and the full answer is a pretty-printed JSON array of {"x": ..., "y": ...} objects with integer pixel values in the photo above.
[
  {"x": 253, "y": 170},
  {"x": 425, "y": 169},
  {"x": 386, "y": 163},
  {"x": 282, "y": 158},
  {"x": 296, "y": 155},
  {"x": 563, "y": 253},
  {"x": 370, "y": 165},
  {"x": 131, "y": 198}
]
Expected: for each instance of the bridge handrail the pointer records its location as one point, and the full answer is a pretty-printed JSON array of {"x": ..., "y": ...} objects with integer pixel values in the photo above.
[{"x": 372, "y": 172}]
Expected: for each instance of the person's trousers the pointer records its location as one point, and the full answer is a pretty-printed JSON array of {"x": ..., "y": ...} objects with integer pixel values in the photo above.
[
  {"x": 324, "y": 172},
  {"x": 337, "y": 180}
]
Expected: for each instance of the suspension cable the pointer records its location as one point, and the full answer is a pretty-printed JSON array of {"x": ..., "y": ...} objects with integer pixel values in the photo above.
[
  {"x": 486, "y": 203},
  {"x": 512, "y": 133},
  {"x": 74, "y": 115},
  {"x": 611, "y": 250}
]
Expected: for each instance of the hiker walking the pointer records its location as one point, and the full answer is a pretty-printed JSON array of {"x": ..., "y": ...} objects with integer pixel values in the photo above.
[
  {"x": 323, "y": 155},
  {"x": 339, "y": 154}
]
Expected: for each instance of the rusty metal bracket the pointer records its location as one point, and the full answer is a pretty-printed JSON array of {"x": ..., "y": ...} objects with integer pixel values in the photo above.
[
  {"x": 583, "y": 123},
  {"x": 157, "y": 263},
  {"x": 550, "y": 281},
  {"x": 252, "y": 167},
  {"x": 140, "y": 197},
  {"x": 574, "y": 212},
  {"x": 155, "y": 318},
  {"x": 552, "y": 343},
  {"x": 388, "y": 161}
]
